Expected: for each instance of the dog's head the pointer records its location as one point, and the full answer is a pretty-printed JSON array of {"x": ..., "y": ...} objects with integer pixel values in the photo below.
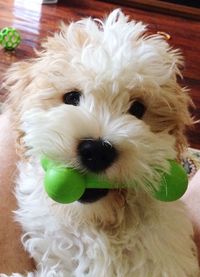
[{"x": 102, "y": 97}]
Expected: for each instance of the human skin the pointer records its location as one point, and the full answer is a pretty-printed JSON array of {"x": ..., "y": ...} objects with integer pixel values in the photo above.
[
  {"x": 13, "y": 258},
  {"x": 192, "y": 201}
]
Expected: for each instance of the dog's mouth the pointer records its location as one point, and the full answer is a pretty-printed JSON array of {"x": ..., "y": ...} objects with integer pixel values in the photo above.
[{"x": 93, "y": 195}]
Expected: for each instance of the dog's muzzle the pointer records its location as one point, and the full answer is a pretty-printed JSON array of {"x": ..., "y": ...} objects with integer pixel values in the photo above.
[{"x": 96, "y": 156}]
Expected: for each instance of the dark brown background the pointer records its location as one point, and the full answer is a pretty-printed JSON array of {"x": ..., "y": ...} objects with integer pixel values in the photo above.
[{"x": 36, "y": 21}]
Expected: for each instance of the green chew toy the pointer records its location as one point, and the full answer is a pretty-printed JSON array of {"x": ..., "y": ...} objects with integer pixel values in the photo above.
[
  {"x": 9, "y": 38},
  {"x": 66, "y": 185},
  {"x": 172, "y": 185}
]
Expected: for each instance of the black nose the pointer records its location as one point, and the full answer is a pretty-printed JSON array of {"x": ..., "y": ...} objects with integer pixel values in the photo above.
[{"x": 96, "y": 155}]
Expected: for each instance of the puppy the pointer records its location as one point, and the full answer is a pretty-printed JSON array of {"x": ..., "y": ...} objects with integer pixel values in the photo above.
[{"x": 102, "y": 97}]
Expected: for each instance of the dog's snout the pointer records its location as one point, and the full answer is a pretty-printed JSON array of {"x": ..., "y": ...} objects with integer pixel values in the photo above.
[{"x": 96, "y": 155}]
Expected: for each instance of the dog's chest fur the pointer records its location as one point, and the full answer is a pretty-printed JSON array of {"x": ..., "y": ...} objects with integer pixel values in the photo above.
[{"x": 147, "y": 236}]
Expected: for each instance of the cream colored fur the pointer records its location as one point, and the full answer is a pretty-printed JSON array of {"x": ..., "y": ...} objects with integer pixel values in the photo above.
[{"x": 127, "y": 233}]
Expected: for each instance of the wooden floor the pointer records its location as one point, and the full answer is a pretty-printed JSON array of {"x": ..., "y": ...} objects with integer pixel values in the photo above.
[{"x": 35, "y": 21}]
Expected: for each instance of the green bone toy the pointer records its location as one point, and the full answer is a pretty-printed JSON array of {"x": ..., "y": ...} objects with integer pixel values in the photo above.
[{"x": 66, "y": 185}]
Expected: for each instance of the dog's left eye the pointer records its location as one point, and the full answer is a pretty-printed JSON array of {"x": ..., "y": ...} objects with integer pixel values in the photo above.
[
  {"x": 72, "y": 98},
  {"x": 137, "y": 109}
]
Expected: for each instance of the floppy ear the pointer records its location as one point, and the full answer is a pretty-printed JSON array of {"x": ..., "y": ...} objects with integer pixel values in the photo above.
[
  {"x": 177, "y": 97},
  {"x": 183, "y": 118},
  {"x": 16, "y": 82},
  {"x": 170, "y": 111},
  {"x": 180, "y": 103}
]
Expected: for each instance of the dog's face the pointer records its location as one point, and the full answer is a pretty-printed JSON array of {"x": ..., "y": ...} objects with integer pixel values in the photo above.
[{"x": 102, "y": 97}]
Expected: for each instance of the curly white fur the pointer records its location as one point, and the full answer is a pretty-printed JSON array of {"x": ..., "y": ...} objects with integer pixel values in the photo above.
[{"x": 127, "y": 233}]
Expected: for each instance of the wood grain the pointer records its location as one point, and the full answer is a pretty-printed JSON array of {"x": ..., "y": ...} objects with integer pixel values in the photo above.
[
  {"x": 36, "y": 21},
  {"x": 163, "y": 7}
]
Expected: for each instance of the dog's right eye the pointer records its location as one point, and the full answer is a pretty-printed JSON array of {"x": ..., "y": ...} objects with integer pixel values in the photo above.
[
  {"x": 137, "y": 109},
  {"x": 72, "y": 98}
]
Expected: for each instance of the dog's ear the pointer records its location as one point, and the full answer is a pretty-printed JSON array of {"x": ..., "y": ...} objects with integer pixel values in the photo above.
[
  {"x": 178, "y": 98},
  {"x": 16, "y": 82},
  {"x": 180, "y": 102},
  {"x": 182, "y": 117},
  {"x": 171, "y": 107},
  {"x": 174, "y": 112}
]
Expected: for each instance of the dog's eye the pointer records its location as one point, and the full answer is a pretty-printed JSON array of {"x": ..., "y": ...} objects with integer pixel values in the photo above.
[
  {"x": 72, "y": 98},
  {"x": 137, "y": 109}
]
